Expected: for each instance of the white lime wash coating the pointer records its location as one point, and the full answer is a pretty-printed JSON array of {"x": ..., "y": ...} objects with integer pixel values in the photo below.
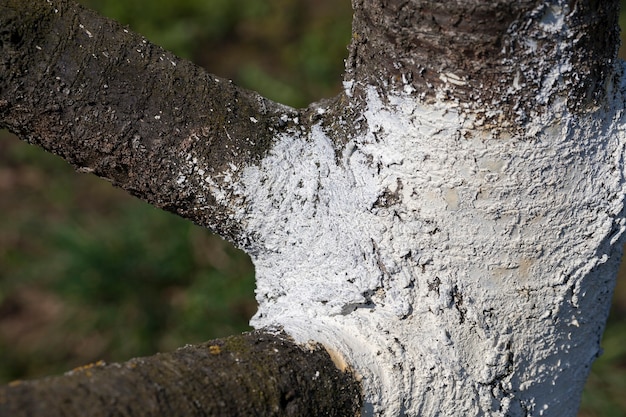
[
  {"x": 432, "y": 253},
  {"x": 459, "y": 269}
]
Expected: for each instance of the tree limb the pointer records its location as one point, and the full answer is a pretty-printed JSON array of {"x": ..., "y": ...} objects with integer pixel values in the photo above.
[
  {"x": 449, "y": 225},
  {"x": 255, "y": 374},
  {"x": 111, "y": 103},
  {"x": 485, "y": 55}
]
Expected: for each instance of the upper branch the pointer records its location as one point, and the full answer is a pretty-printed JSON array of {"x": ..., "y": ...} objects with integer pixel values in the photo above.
[
  {"x": 111, "y": 103},
  {"x": 507, "y": 60}
]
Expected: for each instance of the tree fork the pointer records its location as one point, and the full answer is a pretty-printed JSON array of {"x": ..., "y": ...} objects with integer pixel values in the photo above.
[{"x": 451, "y": 223}]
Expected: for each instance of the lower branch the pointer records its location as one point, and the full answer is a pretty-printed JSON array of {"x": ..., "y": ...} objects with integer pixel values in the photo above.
[{"x": 255, "y": 374}]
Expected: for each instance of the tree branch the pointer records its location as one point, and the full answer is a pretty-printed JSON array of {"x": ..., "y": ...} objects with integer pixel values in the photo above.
[
  {"x": 462, "y": 267},
  {"x": 109, "y": 102},
  {"x": 256, "y": 374},
  {"x": 485, "y": 55}
]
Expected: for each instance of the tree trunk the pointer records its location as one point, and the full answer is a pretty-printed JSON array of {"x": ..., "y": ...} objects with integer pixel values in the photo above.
[
  {"x": 449, "y": 225},
  {"x": 256, "y": 374}
]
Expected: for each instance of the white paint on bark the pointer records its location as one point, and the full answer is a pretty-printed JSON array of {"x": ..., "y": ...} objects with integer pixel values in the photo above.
[
  {"x": 459, "y": 270},
  {"x": 456, "y": 269}
]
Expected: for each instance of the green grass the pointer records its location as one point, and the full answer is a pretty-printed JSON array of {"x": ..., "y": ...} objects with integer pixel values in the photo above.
[{"x": 89, "y": 273}]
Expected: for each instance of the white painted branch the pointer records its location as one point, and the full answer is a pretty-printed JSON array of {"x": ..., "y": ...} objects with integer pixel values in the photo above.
[{"x": 453, "y": 243}]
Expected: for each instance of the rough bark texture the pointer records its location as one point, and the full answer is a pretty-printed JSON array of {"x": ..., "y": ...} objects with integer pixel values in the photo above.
[
  {"x": 256, "y": 374},
  {"x": 479, "y": 54},
  {"x": 112, "y": 104}
]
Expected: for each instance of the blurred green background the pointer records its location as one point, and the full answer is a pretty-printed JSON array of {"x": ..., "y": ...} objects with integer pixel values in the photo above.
[{"x": 89, "y": 273}]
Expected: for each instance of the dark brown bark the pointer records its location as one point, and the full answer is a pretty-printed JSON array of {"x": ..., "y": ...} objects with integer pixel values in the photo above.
[
  {"x": 483, "y": 48},
  {"x": 256, "y": 374},
  {"x": 111, "y": 103}
]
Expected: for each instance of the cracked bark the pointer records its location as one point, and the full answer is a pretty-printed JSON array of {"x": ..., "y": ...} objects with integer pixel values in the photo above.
[
  {"x": 475, "y": 50},
  {"x": 115, "y": 105}
]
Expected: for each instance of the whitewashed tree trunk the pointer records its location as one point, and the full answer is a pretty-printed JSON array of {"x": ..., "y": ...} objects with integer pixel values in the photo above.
[
  {"x": 458, "y": 271},
  {"x": 460, "y": 258},
  {"x": 449, "y": 226}
]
